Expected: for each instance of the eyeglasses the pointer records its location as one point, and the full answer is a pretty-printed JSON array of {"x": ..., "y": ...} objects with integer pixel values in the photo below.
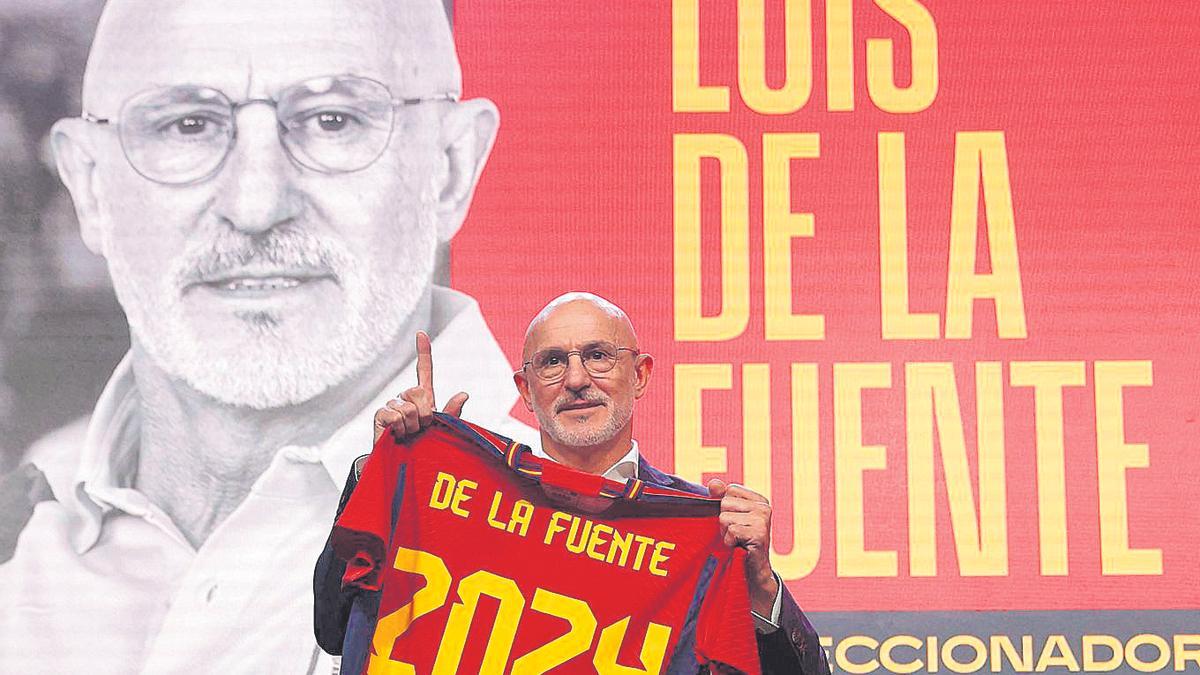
[
  {"x": 182, "y": 134},
  {"x": 550, "y": 365}
]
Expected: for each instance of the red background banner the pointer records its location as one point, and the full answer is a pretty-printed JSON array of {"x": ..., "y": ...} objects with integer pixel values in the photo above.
[{"x": 1095, "y": 107}]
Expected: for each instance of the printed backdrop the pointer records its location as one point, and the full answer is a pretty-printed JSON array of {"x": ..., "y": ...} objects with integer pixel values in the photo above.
[{"x": 923, "y": 272}]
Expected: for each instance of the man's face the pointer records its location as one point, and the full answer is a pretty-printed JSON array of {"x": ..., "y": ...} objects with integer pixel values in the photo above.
[
  {"x": 582, "y": 409},
  {"x": 267, "y": 283}
]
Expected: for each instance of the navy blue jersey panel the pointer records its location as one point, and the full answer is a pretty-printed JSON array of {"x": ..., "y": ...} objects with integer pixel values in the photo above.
[{"x": 683, "y": 659}]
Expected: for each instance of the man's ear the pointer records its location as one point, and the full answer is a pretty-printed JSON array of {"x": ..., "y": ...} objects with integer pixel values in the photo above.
[
  {"x": 468, "y": 132},
  {"x": 73, "y": 156},
  {"x": 523, "y": 389},
  {"x": 643, "y": 367}
]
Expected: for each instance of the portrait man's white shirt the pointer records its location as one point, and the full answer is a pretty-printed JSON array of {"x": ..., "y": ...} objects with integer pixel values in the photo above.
[{"x": 104, "y": 582}]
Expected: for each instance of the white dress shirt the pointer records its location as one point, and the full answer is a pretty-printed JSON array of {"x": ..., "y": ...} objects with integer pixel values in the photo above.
[{"x": 103, "y": 582}]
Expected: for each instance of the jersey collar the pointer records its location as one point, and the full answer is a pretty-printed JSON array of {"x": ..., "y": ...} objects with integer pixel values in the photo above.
[{"x": 624, "y": 468}]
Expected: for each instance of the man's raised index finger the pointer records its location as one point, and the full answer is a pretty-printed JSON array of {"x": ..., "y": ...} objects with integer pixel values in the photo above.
[{"x": 424, "y": 364}]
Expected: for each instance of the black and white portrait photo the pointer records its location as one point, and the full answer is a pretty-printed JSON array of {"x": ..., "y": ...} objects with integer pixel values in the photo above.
[{"x": 223, "y": 223}]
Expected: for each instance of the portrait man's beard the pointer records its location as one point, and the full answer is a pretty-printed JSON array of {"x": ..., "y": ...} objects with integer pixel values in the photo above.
[
  {"x": 618, "y": 417},
  {"x": 273, "y": 359}
]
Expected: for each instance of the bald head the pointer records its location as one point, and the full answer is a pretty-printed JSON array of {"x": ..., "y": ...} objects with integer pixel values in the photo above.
[
  {"x": 252, "y": 48},
  {"x": 581, "y": 304}
]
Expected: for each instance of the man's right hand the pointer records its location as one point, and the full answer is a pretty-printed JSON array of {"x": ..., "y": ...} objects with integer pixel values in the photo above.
[{"x": 413, "y": 411}]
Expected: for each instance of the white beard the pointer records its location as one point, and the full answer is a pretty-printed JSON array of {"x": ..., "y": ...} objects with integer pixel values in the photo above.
[
  {"x": 618, "y": 417},
  {"x": 277, "y": 363}
]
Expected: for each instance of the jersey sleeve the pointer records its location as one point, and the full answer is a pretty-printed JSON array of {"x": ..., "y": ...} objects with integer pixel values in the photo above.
[
  {"x": 725, "y": 630},
  {"x": 361, "y": 533}
]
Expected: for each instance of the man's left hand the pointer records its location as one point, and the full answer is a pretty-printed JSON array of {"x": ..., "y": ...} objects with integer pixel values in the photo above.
[{"x": 746, "y": 522}]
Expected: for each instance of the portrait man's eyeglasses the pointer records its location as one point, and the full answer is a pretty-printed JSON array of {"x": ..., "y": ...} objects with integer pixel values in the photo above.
[
  {"x": 182, "y": 134},
  {"x": 550, "y": 365}
]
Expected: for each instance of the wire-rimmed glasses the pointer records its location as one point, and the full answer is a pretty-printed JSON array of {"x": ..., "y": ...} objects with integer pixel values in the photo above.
[
  {"x": 182, "y": 134},
  {"x": 598, "y": 358}
]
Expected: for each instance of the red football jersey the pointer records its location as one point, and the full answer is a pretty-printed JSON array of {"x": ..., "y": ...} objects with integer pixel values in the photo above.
[{"x": 481, "y": 558}]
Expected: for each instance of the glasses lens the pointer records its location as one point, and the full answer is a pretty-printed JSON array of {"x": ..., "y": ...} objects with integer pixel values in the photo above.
[
  {"x": 336, "y": 124},
  {"x": 550, "y": 364},
  {"x": 177, "y": 135},
  {"x": 599, "y": 358}
]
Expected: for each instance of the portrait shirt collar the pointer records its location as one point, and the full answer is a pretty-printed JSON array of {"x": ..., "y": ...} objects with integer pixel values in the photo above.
[{"x": 466, "y": 358}]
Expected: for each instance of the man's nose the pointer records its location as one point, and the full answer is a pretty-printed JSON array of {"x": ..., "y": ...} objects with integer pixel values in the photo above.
[
  {"x": 577, "y": 377},
  {"x": 255, "y": 187}
]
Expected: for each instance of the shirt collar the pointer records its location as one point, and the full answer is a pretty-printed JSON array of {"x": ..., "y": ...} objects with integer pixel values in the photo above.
[
  {"x": 467, "y": 359},
  {"x": 624, "y": 468},
  {"x": 108, "y": 459}
]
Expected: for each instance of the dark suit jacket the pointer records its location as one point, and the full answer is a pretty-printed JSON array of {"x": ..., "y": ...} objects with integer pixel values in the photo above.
[{"x": 791, "y": 650}]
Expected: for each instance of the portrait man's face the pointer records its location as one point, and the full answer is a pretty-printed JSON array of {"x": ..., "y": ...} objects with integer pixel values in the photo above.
[{"x": 265, "y": 275}]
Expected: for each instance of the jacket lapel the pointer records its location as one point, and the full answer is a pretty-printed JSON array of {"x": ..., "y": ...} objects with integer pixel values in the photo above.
[{"x": 653, "y": 476}]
